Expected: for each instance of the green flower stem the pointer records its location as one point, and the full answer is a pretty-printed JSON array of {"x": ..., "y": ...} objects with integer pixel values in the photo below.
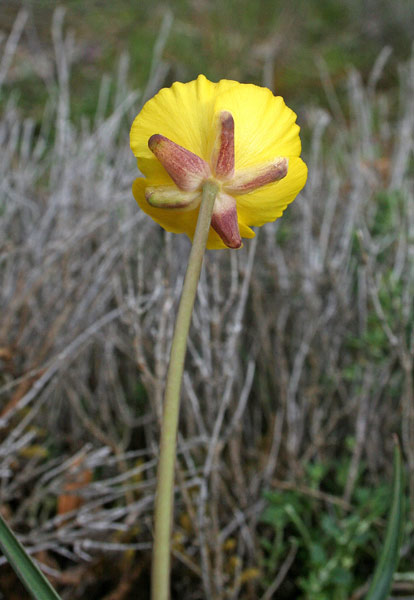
[{"x": 164, "y": 497}]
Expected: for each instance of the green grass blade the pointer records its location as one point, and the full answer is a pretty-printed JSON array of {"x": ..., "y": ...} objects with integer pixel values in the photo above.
[
  {"x": 388, "y": 561},
  {"x": 32, "y": 578}
]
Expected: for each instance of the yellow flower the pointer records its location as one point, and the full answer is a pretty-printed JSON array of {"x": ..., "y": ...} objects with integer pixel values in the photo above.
[{"x": 239, "y": 135}]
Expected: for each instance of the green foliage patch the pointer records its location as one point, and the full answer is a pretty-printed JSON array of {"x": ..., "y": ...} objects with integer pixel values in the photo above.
[{"x": 337, "y": 546}]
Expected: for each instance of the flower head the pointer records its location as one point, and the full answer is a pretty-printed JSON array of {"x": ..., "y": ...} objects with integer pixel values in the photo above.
[{"x": 239, "y": 135}]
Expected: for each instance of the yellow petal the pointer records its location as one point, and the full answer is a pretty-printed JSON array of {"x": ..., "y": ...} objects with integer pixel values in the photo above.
[
  {"x": 268, "y": 203},
  {"x": 264, "y": 126},
  {"x": 184, "y": 113}
]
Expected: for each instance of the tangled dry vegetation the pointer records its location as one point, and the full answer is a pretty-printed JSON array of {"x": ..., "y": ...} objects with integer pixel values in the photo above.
[{"x": 300, "y": 341}]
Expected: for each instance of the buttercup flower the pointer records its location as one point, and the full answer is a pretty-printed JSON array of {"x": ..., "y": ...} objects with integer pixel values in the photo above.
[{"x": 239, "y": 135}]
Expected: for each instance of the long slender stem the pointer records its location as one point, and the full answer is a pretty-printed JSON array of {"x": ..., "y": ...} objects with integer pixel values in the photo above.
[{"x": 164, "y": 499}]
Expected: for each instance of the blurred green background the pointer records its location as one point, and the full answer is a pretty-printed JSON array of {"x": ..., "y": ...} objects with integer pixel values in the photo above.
[{"x": 233, "y": 39}]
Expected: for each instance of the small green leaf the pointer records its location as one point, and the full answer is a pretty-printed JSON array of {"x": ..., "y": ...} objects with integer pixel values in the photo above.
[
  {"x": 317, "y": 554},
  {"x": 341, "y": 577},
  {"x": 32, "y": 578},
  {"x": 388, "y": 561}
]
